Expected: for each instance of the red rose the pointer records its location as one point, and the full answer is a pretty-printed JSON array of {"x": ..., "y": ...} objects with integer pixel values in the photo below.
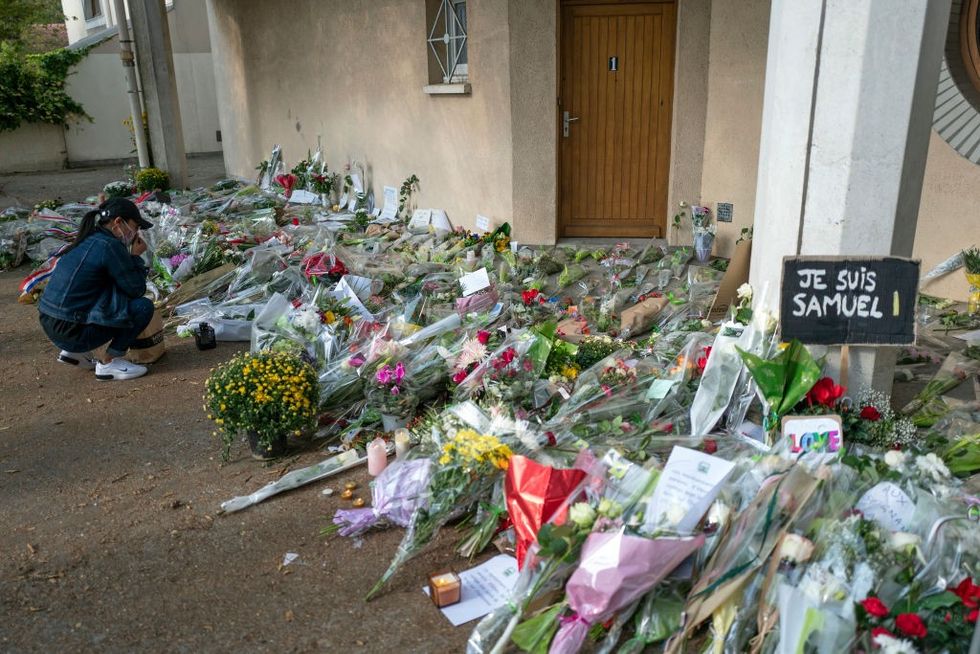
[
  {"x": 971, "y": 617},
  {"x": 870, "y": 413},
  {"x": 529, "y": 296},
  {"x": 483, "y": 336},
  {"x": 459, "y": 377},
  {"x": 703, "y": 361},
  {"x": 825, "y": 392},
  {"x": 552, "y": 441},
  {"x": 911, "y": 624},
  {"x": 875, "y": 607},
  {"x": 710, "y": 446},
  {"x": 969, "y": 593}
]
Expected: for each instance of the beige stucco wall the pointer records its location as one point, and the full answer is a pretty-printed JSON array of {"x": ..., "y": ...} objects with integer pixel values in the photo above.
[
  {"x": 947, "y": 215},
  {"x": 350, "y": 76},
  {"x": 690, "y": 110},
  {"x": 30, "y": 147},
  {"x": 736, "y": 77}
]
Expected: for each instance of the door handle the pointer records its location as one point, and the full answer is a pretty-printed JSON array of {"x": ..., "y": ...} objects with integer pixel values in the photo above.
[{"x": 566, "y": 122}]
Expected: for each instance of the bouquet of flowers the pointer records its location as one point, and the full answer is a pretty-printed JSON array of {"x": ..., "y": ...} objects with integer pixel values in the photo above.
[
  {"x": 468, "y": 465},
  {"x": 270, "y": 393}
]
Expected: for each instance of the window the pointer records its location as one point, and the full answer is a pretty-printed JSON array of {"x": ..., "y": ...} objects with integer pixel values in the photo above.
[
  {"x": 447, "y": 42},
  {"x": 92, "y": 9}
]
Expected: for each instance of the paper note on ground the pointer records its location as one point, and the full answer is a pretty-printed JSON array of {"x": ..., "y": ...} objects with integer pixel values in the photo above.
[
  {"x": 304, "y": 197},
  {"x": 390, "y": 211},
  {"x": 889, "y": 506},
  {"x": 420, "y": 219},
  {"x": 474, "y": 282},
  {"x": 689, "y": 483},
  {"x": 484, "y": 588}
]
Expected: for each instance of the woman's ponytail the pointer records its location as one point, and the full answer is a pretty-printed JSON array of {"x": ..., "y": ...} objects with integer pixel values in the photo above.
[{"x": 85, "y": 229}]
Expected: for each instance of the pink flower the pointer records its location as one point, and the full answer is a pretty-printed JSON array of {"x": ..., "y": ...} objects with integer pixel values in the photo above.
[
  {"x": 399, "y": 372},
  {"x": 385, "y": 374},
  {"x": 459, "y": 377},
  {"x": 356, "y": 361},
  {"x": 395, "y": 390}
]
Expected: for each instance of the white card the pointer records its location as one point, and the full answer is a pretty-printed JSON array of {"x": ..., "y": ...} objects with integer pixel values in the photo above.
[
  {"x": 689, "y": 483},
  {"x": 889, "y": 506},
  {"x": 390, "y": 211},
  {"x": 441, "y": 221},
  {"x": 344, "y": 291},
  {"x": 304, "y": 197},
  {"x": 484, "y": 588},
  {"x": 420, "y": 219},
  {"x": 474, "y": 282},
  {"x": 357, "y": 187},
  {"x": 482, "y": 223}
]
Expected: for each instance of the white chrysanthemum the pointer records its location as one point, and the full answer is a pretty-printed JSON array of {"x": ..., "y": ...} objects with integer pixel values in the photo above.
[
  {"x": 892, "y": 645},
  {"x": 932, "y": 465},
  {"x": 473, "y": 352},
  {"x": 744, "y": 292},
  {"x": 307, "y": 320}
]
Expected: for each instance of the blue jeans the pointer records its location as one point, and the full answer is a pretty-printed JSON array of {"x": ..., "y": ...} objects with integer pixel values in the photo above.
[{"x": 79, "y": 337}]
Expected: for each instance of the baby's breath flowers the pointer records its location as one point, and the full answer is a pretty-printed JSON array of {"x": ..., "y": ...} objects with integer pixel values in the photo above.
[{"x": 271, "y": 394}]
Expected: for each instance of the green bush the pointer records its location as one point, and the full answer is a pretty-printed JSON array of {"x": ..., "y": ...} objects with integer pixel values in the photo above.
[
  {"x": 32, "y": 87},
  {"x": 152, "y": 179}
]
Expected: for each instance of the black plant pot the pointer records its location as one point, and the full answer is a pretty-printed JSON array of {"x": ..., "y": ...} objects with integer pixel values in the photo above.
[{"x": 276, "y": 448}]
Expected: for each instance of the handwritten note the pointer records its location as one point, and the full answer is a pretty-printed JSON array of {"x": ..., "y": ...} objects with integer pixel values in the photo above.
[
  {"x": 482, "y": 223},
  {"x": 889, "y": 506},
  {"x": 474, "y": 282},
  {"x": 390, "y": 211},
  {"x": 688, "y": 485},
  {"x": 420, "y": 219},
  {"x": 484, "y": 588}
]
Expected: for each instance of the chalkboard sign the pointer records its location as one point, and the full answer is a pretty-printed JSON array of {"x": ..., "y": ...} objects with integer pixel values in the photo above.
[{"x": 841, "y": 301}]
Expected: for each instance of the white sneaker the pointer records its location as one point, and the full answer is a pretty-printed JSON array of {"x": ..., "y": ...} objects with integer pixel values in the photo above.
[
  {"x": 118, "y": 369},
  {"x": 83, "y": 360}
]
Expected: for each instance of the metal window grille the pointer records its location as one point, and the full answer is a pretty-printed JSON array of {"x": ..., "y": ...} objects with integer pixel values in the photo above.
[{"x": 447, "y": 40}]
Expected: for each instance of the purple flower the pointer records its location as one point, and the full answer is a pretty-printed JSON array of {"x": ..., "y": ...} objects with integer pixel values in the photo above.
[
  {"x": 356, "y": 361},
  {"x": 399, "y": 372},
  {"x": 395, "y": 390},
  {"x": 177, "y": 259},
  {"x": 385, "y": 375}
]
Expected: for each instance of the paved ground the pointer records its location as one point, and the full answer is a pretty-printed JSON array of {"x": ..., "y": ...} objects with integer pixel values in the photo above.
[
  {"x": 26, "y": 189},
  {"x": 109, "y": 494}
]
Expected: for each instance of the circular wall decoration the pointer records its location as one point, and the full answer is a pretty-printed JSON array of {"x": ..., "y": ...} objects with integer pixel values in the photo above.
[{"x": 957, "y": 114}]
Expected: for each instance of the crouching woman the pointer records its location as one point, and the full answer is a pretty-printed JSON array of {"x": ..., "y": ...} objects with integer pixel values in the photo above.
[{"x": 95, "y": 294}]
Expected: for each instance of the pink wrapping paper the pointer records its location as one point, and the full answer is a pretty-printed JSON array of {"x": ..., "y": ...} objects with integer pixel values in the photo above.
[{"x": 615, "y": 570}]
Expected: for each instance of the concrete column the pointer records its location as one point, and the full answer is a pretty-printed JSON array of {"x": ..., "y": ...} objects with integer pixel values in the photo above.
[
  {"x": 850, "y": 88},
  {"x": 155, "y": 58}
]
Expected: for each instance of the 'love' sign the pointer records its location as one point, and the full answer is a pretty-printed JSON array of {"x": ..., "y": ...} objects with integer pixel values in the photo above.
[{"x": 812, "y": 434}]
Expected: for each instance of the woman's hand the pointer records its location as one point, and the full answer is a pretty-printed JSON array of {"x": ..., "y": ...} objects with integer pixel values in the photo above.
[{"x": 139, "y": 246}]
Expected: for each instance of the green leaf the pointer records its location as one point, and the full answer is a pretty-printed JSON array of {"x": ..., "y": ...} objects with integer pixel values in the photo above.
[
  {"x": 785, "y": 379},
  {"x": 940, "y": 601},
  {"x": 534, "y": 635}
]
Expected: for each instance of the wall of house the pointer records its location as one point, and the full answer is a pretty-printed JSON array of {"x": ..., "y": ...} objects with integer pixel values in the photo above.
[
  {"x": 99, "y": 83},
  {"x": 350, "y": 76},
  {"x": 736, "y": 76},
  {"x": 32, "y": 147}
]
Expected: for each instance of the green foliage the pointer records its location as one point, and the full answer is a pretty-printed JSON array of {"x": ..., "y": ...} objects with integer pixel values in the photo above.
[
  {"x": 32, "y": 87},
  {"x": 152, "y": 179},
  {"x": 405, "y": 193},
  {"x": 971, "y": 260},
  {"x": 18, "y": 16}
]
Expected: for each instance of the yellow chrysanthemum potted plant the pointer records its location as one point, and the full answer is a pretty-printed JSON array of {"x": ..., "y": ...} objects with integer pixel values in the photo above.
[
  {"x": 971, "y": 263},
  {"x": 265, "y": 396}
]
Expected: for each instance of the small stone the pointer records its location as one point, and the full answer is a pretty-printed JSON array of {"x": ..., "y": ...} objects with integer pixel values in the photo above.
[
  {"x": 350, "y": 485},
  {"x": 347, "y": 494},
  {"x": 358, "y": 502},
  {"x": 327, "y": 491}
]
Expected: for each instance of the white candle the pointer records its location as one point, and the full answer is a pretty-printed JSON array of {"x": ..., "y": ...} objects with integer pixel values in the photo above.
[
  {"x": 377, "y": 456},
  {"x": 402, "y": 442},
  {"x": 513, "y": 247}
]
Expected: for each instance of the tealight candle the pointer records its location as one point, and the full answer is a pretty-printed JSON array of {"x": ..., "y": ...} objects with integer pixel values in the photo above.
[
  {"x": 377, "y": 456},
  {"x": 402, "y": 442}
]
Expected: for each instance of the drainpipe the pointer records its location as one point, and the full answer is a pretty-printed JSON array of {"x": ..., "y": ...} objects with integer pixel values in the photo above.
[{"x": 129, "y": 65}]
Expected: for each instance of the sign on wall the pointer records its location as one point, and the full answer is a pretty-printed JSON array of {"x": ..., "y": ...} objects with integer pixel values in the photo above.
[{"x": 849, "y": 301}]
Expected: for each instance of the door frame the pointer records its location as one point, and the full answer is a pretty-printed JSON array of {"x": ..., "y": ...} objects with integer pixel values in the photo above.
[{"x": 557, "y": 114}]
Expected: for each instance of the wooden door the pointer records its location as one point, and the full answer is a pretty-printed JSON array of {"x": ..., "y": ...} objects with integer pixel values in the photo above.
[{"x": 616, "y": 83}]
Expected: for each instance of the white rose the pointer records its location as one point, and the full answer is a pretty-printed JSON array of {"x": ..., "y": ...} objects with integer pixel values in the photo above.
[
  {"x": 582, "y": 514},
  {"x": 718, "y": 514},
  {"x": 896, "y": 459},
  {"x": 901, "y": 540},
  {"x": 795, "y": 548},
  {"x": 931, "y": 464},
  {"x": 744, "y": 292}
]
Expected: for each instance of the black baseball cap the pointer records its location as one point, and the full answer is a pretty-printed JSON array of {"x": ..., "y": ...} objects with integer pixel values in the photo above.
[{"x": 125, "y": 209}]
